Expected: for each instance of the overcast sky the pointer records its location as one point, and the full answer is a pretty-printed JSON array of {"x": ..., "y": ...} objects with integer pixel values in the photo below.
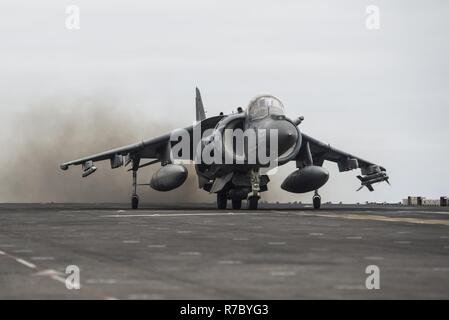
[{"x": 379, "y": 94}]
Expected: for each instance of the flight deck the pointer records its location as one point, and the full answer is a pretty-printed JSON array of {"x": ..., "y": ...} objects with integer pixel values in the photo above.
[{"x": 200, "y": 252}]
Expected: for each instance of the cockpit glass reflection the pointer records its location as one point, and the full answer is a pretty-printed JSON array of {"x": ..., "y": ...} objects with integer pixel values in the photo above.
[{"x": 264, "y": 106}]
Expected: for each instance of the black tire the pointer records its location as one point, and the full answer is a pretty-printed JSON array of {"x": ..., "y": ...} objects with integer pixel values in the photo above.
[
  {"x": 252, "y": 203},
  {"x": 236, "y": 204},
  {"x": 316, "y": 202},
  {"x": 222, "y": 200},
  {"x": 135, "y": 202}
]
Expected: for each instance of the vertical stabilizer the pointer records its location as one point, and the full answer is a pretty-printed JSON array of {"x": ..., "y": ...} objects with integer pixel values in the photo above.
[{"x": 200, "y": 114}]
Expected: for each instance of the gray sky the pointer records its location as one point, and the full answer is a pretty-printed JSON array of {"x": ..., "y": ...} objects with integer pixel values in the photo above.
[{"x": 380, "y": 94}]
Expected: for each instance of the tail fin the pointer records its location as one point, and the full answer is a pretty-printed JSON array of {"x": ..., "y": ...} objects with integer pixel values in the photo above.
[{"x": 200, "y": 114}]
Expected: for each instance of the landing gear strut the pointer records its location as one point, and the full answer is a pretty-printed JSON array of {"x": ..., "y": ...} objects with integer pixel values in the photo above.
[
  {"x": 253, "y": 202},
  {"x": 253, "y": 199},
  {"x": 135, "y": 197},
  {"x": 236, "y": 204},
  {"x": 316, "y": 200},
  {"x": 222, "y": 199}
]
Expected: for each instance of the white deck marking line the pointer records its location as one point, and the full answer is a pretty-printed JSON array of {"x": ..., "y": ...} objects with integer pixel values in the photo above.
[
  {"x": 427, "y": 212},
  {"x": 176, "y": 214},
  {"x": 42, "y": 258},
  {"x": 229, "y": 262},
  {"x": 26, "y": 263},
  {"x": 53, "y": 274},
  {"x": 349, "y": 287},
  {"x": 131, "y": 241},
  {"x": 377, "y": 218},
  {"x": 59, "y": 276},
  {"x": 283, "y": 273},
  {"x": 101, "y": 281},
  {"x": 190, "y": 253},
  {"x": 444, "y": 269},
  {"x": 23, "y": 251}
]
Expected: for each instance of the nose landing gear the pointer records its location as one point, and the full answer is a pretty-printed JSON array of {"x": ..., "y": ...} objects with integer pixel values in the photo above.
[
  {"x": 316, "y": 200},
  {"x": 253, "y": 199}
]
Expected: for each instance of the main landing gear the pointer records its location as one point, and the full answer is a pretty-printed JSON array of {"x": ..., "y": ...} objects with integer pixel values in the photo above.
[
  {"x": 238, "y": 195},
  {"x": 316, "y": 200},
  {"x": 236, "y": 204},
  {"x": 222, "y": 199},
  {"x": 253, "y": 202},
  {"x": 135, "y": 197}
]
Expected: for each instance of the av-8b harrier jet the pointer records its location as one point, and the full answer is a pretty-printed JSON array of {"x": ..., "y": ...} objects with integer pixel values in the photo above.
[{"x": 230, "y": 155}]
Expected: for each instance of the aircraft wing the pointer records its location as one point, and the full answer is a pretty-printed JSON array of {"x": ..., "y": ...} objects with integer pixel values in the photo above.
[
  {"x": 317, "y": 151},
  {"x": 155, "y": 148},
  {"x": 145, "y": 149}
]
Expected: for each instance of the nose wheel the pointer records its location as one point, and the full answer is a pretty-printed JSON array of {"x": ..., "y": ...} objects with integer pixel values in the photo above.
[
  {"x": 253, "y": 199},
  {"x": 316, "y": 200}
]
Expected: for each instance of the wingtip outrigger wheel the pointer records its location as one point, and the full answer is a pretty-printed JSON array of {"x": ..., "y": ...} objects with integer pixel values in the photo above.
[
  {"x": 316, "y": 200},
  {"x": 135, "y": 201},
  {"x": 135, "y": 197}
]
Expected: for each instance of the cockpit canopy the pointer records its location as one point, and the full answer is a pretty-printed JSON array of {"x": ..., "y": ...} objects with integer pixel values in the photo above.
[{"x": 264, "y": 106}]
